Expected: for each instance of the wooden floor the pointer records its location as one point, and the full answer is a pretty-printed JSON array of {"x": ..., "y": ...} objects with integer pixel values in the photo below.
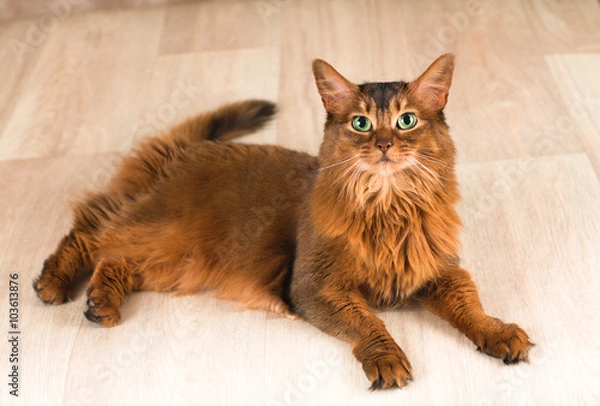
[{"x": 77, "y": 89}]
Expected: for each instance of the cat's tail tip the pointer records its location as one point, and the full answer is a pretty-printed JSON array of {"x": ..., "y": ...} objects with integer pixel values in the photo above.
[
  {"x": 228, "y": 122},
  {"x": 241, "y": 118}
]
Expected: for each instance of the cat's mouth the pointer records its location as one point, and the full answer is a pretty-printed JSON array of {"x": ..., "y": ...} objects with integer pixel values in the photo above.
[
  {"x": 385, "y": 165},
  {"x": 387, "y": 161}
]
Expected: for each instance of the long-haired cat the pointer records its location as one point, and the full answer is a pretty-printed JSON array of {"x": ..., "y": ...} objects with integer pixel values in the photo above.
[{"x": 368, "y": 224}]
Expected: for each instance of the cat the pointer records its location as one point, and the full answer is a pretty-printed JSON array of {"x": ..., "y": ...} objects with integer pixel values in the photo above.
[{"x": 368, "y": 224}]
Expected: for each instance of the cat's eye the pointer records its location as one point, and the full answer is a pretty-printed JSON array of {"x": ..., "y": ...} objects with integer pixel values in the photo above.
[
  {"x": 361, "y": 123},
  {"x": 407, "y": 121}
]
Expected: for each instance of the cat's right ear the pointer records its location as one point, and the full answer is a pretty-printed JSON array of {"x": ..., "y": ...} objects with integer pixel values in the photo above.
[{"x": 336, "y": 91}]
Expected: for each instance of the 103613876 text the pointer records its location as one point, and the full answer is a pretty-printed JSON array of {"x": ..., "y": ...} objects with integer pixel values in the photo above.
[{"x": 14, "y": 334}]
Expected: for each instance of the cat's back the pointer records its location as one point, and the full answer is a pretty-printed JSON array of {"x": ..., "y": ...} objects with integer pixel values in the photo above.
[
  {"x": 249, "y": 160},
  {"x": 244, "y": 169},
  {"x": 233, "y": 182}
]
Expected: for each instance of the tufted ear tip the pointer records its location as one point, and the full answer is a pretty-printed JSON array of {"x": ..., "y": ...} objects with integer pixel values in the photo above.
[
  {"x": 318, "y": 65},
  {"x": 449, "y": 57},
  {"x": 433, "y": 86}
]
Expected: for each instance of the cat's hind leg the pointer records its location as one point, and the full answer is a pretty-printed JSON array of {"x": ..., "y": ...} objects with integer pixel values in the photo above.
[
  {"x": 53, "y": 286},
  {"x": 76, "y": 250},
  {"x": 111, "y": 281}
]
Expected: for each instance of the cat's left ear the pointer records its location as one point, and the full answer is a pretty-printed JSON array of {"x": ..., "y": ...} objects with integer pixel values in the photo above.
[
  {"x": 336, "y": 91},
  {"x": 433, "y": 85}
]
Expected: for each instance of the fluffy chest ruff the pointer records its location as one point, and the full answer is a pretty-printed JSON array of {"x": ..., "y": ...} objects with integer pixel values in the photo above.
[{"x": 395, "y": 237}]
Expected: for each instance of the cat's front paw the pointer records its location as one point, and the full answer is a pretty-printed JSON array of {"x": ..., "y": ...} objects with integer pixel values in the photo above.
[
  {"x": 509, "y": 342},
  {"x": 50, "y": 288},
  {"x": 387, "y": 369},
  {"x": 103, "y": 314}
]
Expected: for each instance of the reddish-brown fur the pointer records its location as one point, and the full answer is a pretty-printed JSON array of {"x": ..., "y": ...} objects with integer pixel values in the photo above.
[
  {"x": 368, "y": 224},
  {"x": 184, "y": 214}
]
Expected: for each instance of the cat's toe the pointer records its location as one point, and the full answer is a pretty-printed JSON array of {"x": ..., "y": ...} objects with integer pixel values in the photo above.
[
  {"x": 509, "y": 342},
  {"x": 90, "y": 312},
  {"x": 388, "y": 370},
  {"x": 51, "y": 290},
  {"x": 104, "y": 315}
]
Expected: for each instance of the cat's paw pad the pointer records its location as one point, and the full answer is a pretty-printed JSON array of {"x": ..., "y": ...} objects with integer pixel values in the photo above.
[
  {"x": 105, "y": 315},
  {"x": 508, "y": 342},
  {"x": 50, "y": 288},
  {"x": 390, "y": 370}
]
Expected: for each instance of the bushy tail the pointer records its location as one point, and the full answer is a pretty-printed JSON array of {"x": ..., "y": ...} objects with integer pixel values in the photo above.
[
  {"x": 150, "y": 160},
  {"x": 226, "y": 123}
]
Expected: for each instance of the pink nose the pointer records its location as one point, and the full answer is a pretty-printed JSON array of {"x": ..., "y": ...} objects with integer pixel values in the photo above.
[{"x": 384, "y": 144}]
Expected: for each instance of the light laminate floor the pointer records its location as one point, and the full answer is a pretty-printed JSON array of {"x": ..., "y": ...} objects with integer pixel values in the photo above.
[{"x": 78, "y": 89}]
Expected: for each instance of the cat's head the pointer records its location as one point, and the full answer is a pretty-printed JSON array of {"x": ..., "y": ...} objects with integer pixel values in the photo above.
[{"x": 384, "y": 137}]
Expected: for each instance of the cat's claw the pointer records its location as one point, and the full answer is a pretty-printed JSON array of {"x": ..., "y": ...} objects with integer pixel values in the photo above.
[
  {"x": 388, "y": 371},
  {"x": 51, "y": 290},
  {"x": 90, "y": 313},
  {"x": 103, "y": 315},
  {"x": 508, "y": 342}
]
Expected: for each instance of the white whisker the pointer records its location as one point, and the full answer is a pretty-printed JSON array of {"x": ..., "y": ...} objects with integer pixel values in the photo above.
[
  {"x": 416, "y": 169},
  {"x": 353, "y": 166},
  {"x": 431, "y": 159},
  {"x": 433, "y": 177},
  {"x": 351, "y": 180},
  {"x": 340, "y": 162}
]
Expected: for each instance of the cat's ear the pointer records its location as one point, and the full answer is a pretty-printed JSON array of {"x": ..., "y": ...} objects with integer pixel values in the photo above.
[
  {"x": 433, "y": 85},
  {"x": 336, "y": 91}
]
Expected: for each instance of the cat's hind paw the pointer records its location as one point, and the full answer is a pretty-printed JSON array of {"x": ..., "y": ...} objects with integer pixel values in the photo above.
[{"x": 50, "y": 288}]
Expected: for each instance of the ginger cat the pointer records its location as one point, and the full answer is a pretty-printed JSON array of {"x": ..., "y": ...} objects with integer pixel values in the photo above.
[{"x": 368, "y": 224}]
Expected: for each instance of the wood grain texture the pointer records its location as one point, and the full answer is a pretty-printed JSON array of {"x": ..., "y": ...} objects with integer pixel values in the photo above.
[
  {"x": 250, "y": 27},
  {"x": 579, "y": 87},
  {"x": 42, "y": 9},
  {"x": 524, "y": 111}
]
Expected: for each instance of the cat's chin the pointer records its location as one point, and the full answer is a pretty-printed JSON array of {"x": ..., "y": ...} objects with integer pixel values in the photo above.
[{"x": 387, "y": 167}]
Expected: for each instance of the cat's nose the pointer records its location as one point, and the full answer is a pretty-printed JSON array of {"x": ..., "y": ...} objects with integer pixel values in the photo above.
[{"x": 384, "y": 144}]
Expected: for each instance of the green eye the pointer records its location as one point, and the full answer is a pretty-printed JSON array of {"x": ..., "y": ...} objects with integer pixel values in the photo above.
[
  {"x": 407, "y": 121},
  {"x": 361, "y": 123}
]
